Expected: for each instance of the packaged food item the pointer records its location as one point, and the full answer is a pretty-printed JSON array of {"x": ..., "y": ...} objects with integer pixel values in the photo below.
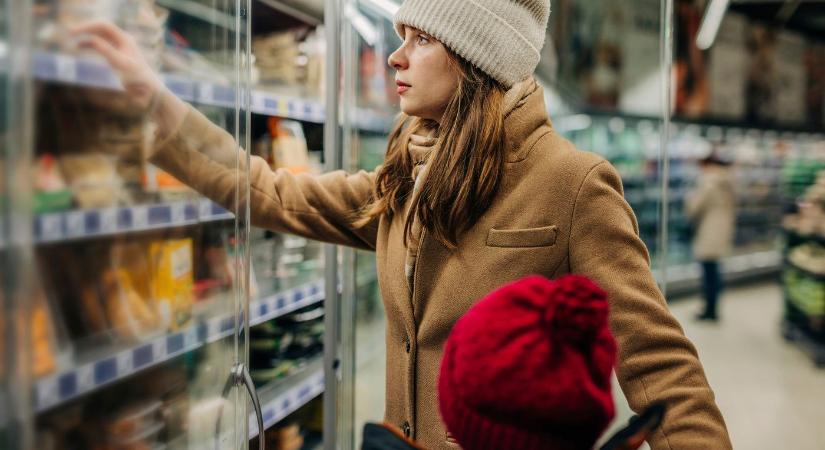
[
  {"x": 50, "y": 191},
  {"x": 133, "y": 420},
  {"x": 286, "y": 437},
  {"x": 276, "y": 57},
  {"x": 289, "y": 146},
  {"x": 129, "y": 313},
  {"x": 93, "y": 179},
  {"x": 163, "y": 184},
  {"x": 135, "y": 259},
  {"x": 203, "y": 419},
  {"x": 172, "y": 281},
  {"x": 44, "y": 359},
  {"x": 145, "y": 439}
]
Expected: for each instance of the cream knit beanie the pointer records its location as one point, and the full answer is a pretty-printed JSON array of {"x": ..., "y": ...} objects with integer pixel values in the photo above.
[{"x": 501, "y": 37}]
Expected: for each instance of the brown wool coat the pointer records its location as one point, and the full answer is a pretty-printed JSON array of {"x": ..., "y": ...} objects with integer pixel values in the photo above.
[{"x": 559, "y": 211}]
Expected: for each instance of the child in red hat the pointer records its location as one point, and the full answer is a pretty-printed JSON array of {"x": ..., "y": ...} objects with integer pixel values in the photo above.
[{"x": 529, "y": 367}]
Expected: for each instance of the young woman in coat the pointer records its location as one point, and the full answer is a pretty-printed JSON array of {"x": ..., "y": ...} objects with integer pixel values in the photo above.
[{"x": 477, "y": 190}]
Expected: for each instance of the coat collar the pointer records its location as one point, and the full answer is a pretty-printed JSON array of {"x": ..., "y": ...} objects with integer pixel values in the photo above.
[{"x": 528, "y": 115}]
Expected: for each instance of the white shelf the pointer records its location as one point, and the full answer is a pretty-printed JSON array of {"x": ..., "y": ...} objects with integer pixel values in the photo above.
[
  {"x": 81, "y": 224},
  {"x": 94, "y": 72},
  {"x": 687, "y": 277},
  {"x": 283, "y": 402},
  {"x": 69, "y": 384}
]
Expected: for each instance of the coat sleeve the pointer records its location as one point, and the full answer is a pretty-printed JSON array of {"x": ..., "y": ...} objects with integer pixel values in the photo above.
[
  {"x": 320, "y": 207},
  {"x": 656, "y": 361}
]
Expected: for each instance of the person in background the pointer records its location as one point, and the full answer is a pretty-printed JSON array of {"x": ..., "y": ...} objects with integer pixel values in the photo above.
[
  {"x": 477, "y": 190},
  {"x": 529, "y": 367},
  {"x": 711, "y": 208}
]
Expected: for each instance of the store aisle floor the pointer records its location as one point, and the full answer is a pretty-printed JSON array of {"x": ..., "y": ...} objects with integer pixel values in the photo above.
[{"x": 771, "y": 394}]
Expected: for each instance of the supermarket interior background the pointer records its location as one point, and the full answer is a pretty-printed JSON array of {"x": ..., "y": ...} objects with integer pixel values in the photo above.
[{"x": 124, "y": 292}]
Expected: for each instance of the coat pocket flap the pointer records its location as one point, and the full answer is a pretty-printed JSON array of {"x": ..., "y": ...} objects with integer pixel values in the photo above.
[{"x": 529, "y": 237}]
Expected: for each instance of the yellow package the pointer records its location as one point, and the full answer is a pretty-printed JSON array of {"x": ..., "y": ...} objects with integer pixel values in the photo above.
[
  {"x": 172, "y": 281},
  {"x": 130, "y": 314}
]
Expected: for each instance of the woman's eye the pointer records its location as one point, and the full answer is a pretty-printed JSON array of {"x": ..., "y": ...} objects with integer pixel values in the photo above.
[{"x": 422, "y": 40}]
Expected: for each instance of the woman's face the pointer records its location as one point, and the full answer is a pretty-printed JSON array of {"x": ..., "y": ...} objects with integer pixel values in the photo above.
[{"x": 425, "y": 77}]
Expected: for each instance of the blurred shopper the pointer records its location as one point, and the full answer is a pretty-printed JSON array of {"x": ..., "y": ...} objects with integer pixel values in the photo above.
[
  {"x": 711, "y": 207},
  {"x": 477, "y": 190},
  {"x": 529, "y": 367}
]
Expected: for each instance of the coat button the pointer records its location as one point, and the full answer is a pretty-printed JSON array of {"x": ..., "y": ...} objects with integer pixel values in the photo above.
[
  {"x": 406, "y": 429},
  {"x": 408, "y": 346}
]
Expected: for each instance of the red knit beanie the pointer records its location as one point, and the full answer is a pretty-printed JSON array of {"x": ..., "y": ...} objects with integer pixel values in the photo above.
[{"x": 529, "y": 367}]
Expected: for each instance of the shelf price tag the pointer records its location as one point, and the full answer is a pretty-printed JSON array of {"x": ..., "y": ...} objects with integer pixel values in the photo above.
[
  {"x": 190, "y": 338},
  {"x": 125, "y": 363},
  {"x": 75, "y": 224},
  {"x": 178, "y": 213},
  {"x": 159, "y": 349},
  {"x": 259, "y": 102},
  {"x": 206, "y": 93},
  {"x": 140, "y": 217},
  {"x": 283, "y": 107},
  {"x": 85, "y": 378},
  {"x": 66, "y": 68},
  {"x": 51, "y": 227},
  {"x": 47, "y": 392},
  {"x": 205, "y": 209},
  {"x": 108, "y": 220}
]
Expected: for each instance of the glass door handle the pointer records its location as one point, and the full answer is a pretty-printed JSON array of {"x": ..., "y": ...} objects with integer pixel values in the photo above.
[{"x": 240, "y": 376}]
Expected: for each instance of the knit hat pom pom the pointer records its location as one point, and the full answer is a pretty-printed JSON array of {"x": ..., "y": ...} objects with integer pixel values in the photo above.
[{"x": 579, "y": 311}]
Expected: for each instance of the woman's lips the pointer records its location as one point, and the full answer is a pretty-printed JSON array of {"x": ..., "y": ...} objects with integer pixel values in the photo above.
[{"x": 402, "y": 86}]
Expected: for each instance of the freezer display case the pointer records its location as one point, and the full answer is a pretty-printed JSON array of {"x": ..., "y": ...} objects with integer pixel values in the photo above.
[
  {"x": 136, "y": 300},
  {"x": 137, "y": 312}
]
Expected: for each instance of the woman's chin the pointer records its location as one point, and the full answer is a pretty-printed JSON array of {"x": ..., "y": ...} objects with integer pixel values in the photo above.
[{"x": 416, "y": 111}]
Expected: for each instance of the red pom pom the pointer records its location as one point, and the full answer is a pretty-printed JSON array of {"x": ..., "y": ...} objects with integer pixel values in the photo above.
[{"x": 578, "y": 309}]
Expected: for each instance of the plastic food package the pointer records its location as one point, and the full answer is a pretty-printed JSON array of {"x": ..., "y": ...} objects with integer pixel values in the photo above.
[
  {"x": 167, "y": 187},
  {"x": 93, "y": 179},
  {"x": 172, "y": 281},
  {"x": 44, "y": 359},
  {"x": 133, "y": 420},
  {"x": 50, "y": 191},
  {"x": 289, "y": 146},
  {"x": 146, "y": 439},
  {"x": 285, "y": 438},
  {"x": 129, "y": 313},
  {"x": 276, "y": 56}
]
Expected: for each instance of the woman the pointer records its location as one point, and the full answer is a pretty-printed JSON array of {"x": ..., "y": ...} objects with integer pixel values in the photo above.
[
  {"x": 477, "y": 190},
  {"x": 711, "y": 207}
]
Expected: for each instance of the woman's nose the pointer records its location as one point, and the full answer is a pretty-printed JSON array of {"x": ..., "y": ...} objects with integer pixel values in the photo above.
[{"x": 397, "y": 59}]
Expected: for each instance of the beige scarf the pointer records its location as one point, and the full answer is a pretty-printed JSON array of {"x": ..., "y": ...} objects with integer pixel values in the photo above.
[{"x": 421, "y": 146}]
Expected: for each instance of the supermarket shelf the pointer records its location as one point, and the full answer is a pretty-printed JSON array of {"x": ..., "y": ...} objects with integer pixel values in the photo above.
[
  {"x": 202, "y": 12},
  {"x": 686, "y": 278},
  {"x": 309, "y": 11},
  {"x": 804, "y": 237},
  {"x": 93, "y": 72},
  {"x": 62, "y": 387},
  {"x": 288, "y": 395},
  {"x": 813, "y": 348},
  {"x": 806, "y": 272},
  {"x": 682, "y": 122},
  {"x": 81, "y": 224}
]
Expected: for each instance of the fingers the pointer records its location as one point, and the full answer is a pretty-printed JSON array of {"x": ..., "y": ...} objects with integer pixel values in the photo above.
[
  {"x": 102, "y": 29},
  {"x": 115, "y": 58}
]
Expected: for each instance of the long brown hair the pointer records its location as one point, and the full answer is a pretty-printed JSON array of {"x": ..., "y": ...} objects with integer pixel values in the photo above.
[{"x": 464, "y": 173}]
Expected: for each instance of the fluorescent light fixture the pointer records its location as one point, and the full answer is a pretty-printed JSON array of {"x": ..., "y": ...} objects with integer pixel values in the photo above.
[
  {"x": 386, "y": 8},
  {"x": 362, "y": 25},
  {"x": 711, "y": 22}
]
